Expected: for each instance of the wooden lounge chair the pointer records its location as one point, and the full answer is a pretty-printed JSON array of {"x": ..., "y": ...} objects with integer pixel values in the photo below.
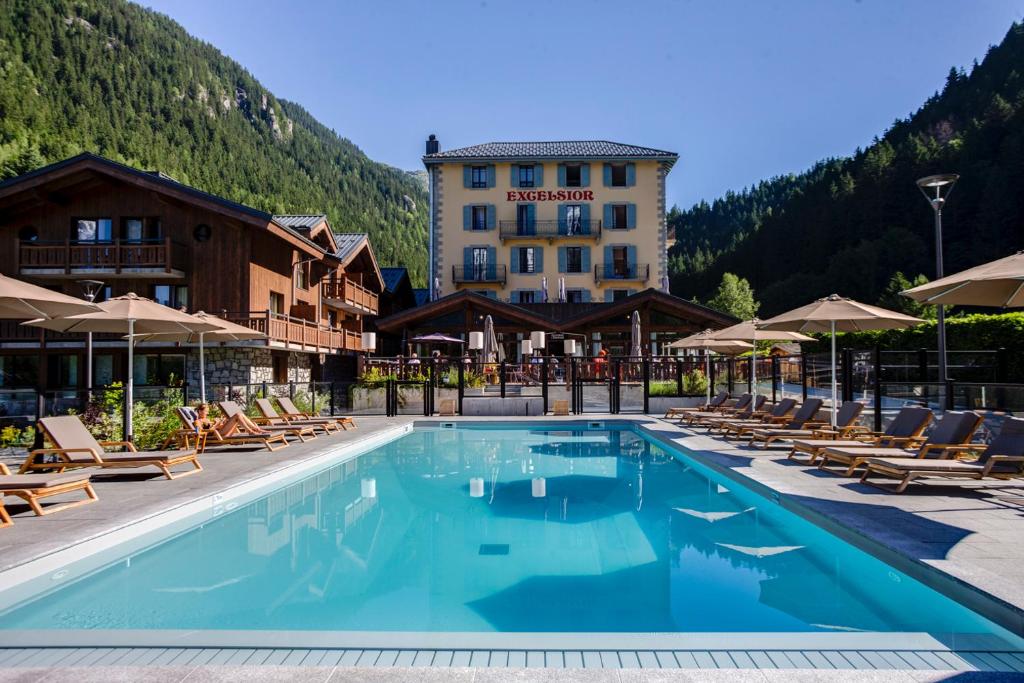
[
  {"x": 269, "y": 416},
  {"x": 301, "y": 432},
  {"x": 448, "y": 407},
  {"x": 752, "y": 410},
  {"x": 951, "y": 431},
  {"x": 33, "y": 488},
  {"x": 75, "y": 447},
  {"x": 718, "y": 400},
  {"x": 739, "y": 405},
  {"x": 206, "y": 438},
  {"x": 289, "y": 411},
  {"x": 904, "y": 430},
  {"x": 734, "y": 427},
  {"x": 1001, "y": 459},
  {"x": 810, "y": 427},
  {"x": 560, "y": 407}
]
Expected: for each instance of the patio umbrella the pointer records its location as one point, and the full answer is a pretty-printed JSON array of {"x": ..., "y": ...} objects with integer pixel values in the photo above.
[
  {"x": 997, "y": 283},
  {"x": 22, "y": 301},
  {"x": 562, "y": 296},
  {"x": 635, "y": 344},
  {"x": 836, "y": 314},
  {"x": 437, "y": 338},
  {"x": 751, "y": 329},
  {"x": 436, "y": 293},
  {"x": 226, "y": 331},
  {"x": 544, "y": 289},
  {"x": 134, "y": 315},
  {"x": 489, "y": 352},
  {"x": 703, "y": 340}
]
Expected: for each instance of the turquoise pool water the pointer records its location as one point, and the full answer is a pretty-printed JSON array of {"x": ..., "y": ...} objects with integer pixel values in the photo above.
[{"x": 490, "y": 528}]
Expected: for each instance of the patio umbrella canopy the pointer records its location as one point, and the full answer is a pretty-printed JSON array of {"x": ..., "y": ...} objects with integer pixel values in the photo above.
[
  {"x": 751, "y": 330},
  {"x": 489, "y": 352},
  {"x": 437, "y": 338},
  {"x": 635, "y": 344},
  {"x": 133, "y": 315},
  {"x": 997, "y": 283},
  {"x": 22, "y": 301},
  {"x": 836, "y": 314},
  {"x": 226, "y": 331},
  {"x": 703, "y": 341}
]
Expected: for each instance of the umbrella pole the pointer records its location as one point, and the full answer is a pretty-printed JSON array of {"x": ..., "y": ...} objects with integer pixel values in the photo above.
[
  {"x": 833, "y": 330},
  {"x": 128, "y": 394},
  {"x": 753, "y": 367},
  {"x": 202, "y": 371},
  {"x": 707, "y": 375}
]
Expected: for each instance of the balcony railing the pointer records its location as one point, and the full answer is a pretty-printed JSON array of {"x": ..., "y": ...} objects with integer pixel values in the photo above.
[
  {"x": 631, "y": 272},
  {"x": 490, "y": 272},
  {"x": 298, "y": 332},
  {"x": 558, "y": 229},
  {"x": 349, "y": 296},
  {"x": 112, "y": 257}
]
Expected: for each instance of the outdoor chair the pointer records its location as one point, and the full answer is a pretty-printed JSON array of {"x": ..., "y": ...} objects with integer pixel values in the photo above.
[
  {"x": 448, "y": 407},
  {"x": 290, "y": 412},
  {"x": 953, "y": 430},
  {"x": 806, "y": 424},
  {"x": 737, "y": 426},
  {"x": 753, "y": 408},
  {"x": 206, "y": 438},
  {"x": 33, "y": 488},
  {"x": 1001, "y": 459},
  {"x": 75, "y": 447},
  {"x": 905, "y": 430},
  {"x": 716, "y": 402},
  {"x": 740, "y": 404},
  {"x": 270, "y": 416},
  {"x": 301, "y": 432}
]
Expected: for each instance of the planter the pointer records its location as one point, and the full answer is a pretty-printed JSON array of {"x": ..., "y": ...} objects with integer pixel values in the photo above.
[
  {"x": 659, "y": 405},
  {"x": 367, "y": 400}
]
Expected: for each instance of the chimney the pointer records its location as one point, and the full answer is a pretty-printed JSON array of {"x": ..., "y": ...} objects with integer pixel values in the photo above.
[{"x": 433, "y": 146}]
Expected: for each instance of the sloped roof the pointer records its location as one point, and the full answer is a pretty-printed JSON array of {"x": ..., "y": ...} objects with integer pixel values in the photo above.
[
  {"x": 565, "y": 149},
  {"x": 348, "y": 243},
  {"x": 422, "y": 295},
  {"x": 303, "y": 222},
  {"x": 393, "y": 277}
]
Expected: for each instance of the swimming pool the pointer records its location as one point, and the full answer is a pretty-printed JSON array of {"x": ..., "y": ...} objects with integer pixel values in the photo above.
[{"x": 505, "y": 528}]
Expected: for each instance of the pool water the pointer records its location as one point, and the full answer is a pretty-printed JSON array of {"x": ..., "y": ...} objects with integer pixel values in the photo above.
[{"x": 493, "y": 528}]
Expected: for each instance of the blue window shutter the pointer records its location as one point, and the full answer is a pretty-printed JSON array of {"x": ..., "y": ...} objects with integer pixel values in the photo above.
[
  {"x": 513, "y": 175},
  {"x": 608, "y": 216},
  {"x": 515, "y": 260},
  {"x": 492, "y": 266},
  {"x": 631, "y": 256},
  {"x": 630, "y": 175},
  {"x": 491, "y": 213},
  {"x": 492, "y": 176},
  {"x": 585, "y": 218},
  {"x": 467, "y": 217},
  {"x": 609, "y": 295},
  {"x": 538, "y": 175},
  {"x": 562, "y": 259},
  {"x": 467, "y": 257},
  {"x": 607, "y": 175},
  {"x": 563, "y": 212},
  {"x": 467, "y": 176},
  {"x": 538, "y": 259},
  {"x": 585, "y": 296},
  {"x": 630, "y": 216},
  {"x": 585, "y": 259},
  {"x": 607, "y": 261},
  {"x": 514, "y": 296},
  {"x": 538, "y": 296},
  {"x": 585, "y": 175},
  {"x": 561, "y": 175},
  {"x": 531, "y": 218}
]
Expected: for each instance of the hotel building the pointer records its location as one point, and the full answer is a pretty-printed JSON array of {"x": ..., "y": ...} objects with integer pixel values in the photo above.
[{"x": 506, "y": 215}]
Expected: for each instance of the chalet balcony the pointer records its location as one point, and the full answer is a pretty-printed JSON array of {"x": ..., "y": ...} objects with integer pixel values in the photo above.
[
  {"x": 550, "y": 230},
  {"x": 153, "y": 259},
  {"x": 491, "y": 272},
  {"x": 348, "y": 296},
  {"x": 622, "y": 272},
  {"x": 288, "y": 332}
]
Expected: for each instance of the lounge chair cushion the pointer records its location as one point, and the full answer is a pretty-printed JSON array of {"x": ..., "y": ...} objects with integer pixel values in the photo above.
[
  {"x": 954, "y": 428},
  {"x": 806, "y": 412},
  {"x": 837, "y": 443},
  {"x": 872, "y": 452},
  {"x": 12, "y": 482},
  {"x": 139, "y": 456},
  {"x": 916, "y": 465}
]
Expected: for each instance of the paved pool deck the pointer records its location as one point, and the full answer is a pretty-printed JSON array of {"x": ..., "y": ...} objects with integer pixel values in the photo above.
[{"x": 970, "y": 534}]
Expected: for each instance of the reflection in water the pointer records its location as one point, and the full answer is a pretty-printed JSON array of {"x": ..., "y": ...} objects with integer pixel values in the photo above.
[{"x": 480, "y": 529}]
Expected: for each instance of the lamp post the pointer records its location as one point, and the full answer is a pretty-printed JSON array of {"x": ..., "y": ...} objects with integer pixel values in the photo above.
[
  {"x": 90, "y": 289},
  {"x": 936, "y": 189}
]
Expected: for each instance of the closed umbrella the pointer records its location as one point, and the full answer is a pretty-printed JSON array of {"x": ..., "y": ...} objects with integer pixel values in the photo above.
[
  {"x": 130, "y": 314},
  {"x": 635, "y": 343},
  {"x": 226, "y": 331},
  {"x": 544, "y": 289},
  {"x": 23, "y": 301},
  {"x": 997, "y": 283},
  {"x": 562, "y": 296},
  {"x": 703, "y": 340},
  {"x": 751, "y": 330},
  {"x": 836, "y": 314},
  {"x": 490, "y": 341}
]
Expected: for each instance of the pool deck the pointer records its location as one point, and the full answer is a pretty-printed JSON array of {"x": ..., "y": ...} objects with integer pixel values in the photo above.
[{"x": 970, "y": 534}]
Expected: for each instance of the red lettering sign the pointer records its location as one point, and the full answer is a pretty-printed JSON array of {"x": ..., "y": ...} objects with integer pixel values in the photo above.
[{"x": 552, "y": 196}]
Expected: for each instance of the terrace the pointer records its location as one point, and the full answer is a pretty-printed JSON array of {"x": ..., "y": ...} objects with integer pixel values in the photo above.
[
  {"x": 349, "y": 296},
  {"x": 289, "y": 332},
  {"x": 112, "y": 259}
]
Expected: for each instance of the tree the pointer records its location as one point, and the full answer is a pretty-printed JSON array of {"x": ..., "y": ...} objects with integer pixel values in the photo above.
[
  {"x": 735, "y": 297},
  {"x": 894, "y": 301}
]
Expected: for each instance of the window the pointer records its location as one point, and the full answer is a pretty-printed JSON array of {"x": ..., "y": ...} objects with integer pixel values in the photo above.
[
  {"x": 526, "y": 176},
  {"x": 276, "y": 303},
  {"x": 280, "y": 368},
  {"x": 175, "y": 296},
  {"x": 619, "y": 221},
  {"x": 479, "y": 263},
  {"x": 19, "y": 371},
  {"x": 479, "y": 175},
  {"x": 574, "y": 296},
  {"x": 618, "y": 175},
  {"x": 619, "y": 294},
  {"x": 302, "y": 275},
  {"x": 92, "y": 230},
  {"x": 527, "y": 262},
  {"x": 573, "y": 175},
  {"x": 573, "y": 219},
  {"x": 574, "y": 259},
  {"x": 620, "y": 261},
  {"x": 63, "y": 371},
  {"x": 139, "y": 229},
  {"x": 526, "y": 296},
  {"x": 164, "y": 369},
  {"x": 102, "y": 370},
  {"x": 479, "y": 217},
  {"x": 103, "y": 295},
  {"x": 28, "y": 233}
]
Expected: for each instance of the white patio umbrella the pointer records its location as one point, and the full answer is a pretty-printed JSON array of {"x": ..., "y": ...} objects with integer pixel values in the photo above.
[
  {"x": 544, "y": 289},
  {"x": 131, "y": 314},
  {"x": 635, "y": 343},
  {"x": 490, "y": 349},
  {"x": 226, "y": 331},
  {"x": 562, "y": 296},
  {"x": 24, "y": 301},
  {"x": 751, "y": 330},
  {"x": 997, "y": 283},
  {"x": 836, "y": 314},
  {"x": 703, "y": 341}
]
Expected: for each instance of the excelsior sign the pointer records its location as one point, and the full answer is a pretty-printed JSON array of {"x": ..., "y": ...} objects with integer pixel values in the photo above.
[{"x": 552, "y": 196}]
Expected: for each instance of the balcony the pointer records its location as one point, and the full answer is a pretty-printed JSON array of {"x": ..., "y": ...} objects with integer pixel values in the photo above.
[
  {"x": 491, "y": 272},
  {"x": 621, "y": 272},
  {"x": 346, "y": 295},
  {"x": 288, "y": 332},
  {"x": 550, "y": 230},
  {"x": 155, "y": 259}
]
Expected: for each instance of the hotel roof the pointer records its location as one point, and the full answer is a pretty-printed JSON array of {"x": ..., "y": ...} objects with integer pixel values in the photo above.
[
  {"x": 300, "y": 221},
  {"x": 565, "y": 149},
  {"x": 393, "y": 276}
]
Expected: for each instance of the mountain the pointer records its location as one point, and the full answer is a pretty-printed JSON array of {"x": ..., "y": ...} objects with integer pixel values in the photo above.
[
  {"x": 125, "y": 82},
  {"x": 847, "y": 225}
]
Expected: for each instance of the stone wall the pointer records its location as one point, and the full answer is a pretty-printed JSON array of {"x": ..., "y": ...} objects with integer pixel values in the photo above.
[{"x": 245, "y": 365}]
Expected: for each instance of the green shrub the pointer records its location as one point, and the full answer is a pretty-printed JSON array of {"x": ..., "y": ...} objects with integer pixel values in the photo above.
[
  {"x": 152, "y": 423},
  {"x": 695, "y": 382},
  {"x": 662, "y": 387}
]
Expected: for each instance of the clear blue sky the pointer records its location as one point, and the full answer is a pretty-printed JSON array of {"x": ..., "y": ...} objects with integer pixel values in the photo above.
[{"x": 741, "y": 90}]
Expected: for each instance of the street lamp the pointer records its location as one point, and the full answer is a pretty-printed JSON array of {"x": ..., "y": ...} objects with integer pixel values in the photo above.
[
  {"x": 936, "y": 189},
  {"x": 90, "y": 290}
]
